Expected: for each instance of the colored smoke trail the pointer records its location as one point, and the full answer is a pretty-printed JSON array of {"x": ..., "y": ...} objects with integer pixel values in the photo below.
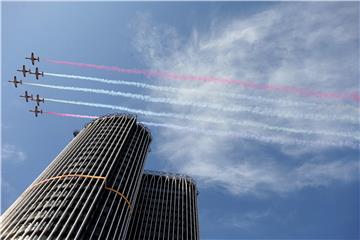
[
  {"x": 194, "y": 90},
  {"x": 268, "y": 139},
  {"x": 71, "y": 115},
  {"x": 234, "y": 108},
  {"x": 209, "y": 120},
  {"x": 246, "y": 84}
]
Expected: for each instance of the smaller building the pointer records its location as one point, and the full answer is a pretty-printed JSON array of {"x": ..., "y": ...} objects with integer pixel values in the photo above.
[{"x": 166, "y": 208}]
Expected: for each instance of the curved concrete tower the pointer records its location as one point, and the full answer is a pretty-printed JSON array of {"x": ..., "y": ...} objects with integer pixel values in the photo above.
[{"x": 88, "y": 191}]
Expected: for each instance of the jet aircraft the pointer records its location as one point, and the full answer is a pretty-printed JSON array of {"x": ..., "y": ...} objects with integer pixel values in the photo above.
[
  {"x": 24, "y": 70},
  {"x": 16, "y": 82},
  {"x": 33, "y": 58},
  {"x": 27, "y": 96},
  {"x": 38, "y": 100},
  {"x": 37, "y": 73},
  {"x": 36, "y": 111}
]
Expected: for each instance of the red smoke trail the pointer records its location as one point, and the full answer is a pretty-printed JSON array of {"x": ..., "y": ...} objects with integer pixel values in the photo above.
[
  {"x": 246, "y": 84},
  {"x": 71, "y": 115}
]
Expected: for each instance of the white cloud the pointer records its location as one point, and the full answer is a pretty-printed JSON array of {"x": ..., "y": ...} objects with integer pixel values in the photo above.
[
  {"x": 247, "y": 220},
  {"x": 314, "y": 174},
  {"x": 11, "y": 153},
  {"x": 299, "y": 44}
]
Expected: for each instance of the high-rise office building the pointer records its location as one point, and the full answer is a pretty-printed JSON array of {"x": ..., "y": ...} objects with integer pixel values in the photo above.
[
  {"x": 88, "y": 191},
  {"x": 166, "y": 208}
]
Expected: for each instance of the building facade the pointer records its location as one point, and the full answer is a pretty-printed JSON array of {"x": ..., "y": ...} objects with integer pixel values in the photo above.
[
  {"x": 88, "y": 191},
  {"x": 166, "y": 208}
]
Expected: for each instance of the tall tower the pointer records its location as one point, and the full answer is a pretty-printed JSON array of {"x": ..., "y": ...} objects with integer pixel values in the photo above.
[
  {"x": 88, "y": 191},
  {"x": 166, "y": 208}
]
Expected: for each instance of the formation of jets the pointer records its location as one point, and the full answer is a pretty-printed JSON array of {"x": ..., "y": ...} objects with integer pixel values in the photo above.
[
  {"x": 26, "y": 95},
  {"x": 38, "y": 100},
  {"x": 24, "y": 71},
  {"x": 36, "y": 111},
  {"x": 33, "y": 58},
  {"x": 16, "y": 82},
  {"x": 37, "y": 73}
]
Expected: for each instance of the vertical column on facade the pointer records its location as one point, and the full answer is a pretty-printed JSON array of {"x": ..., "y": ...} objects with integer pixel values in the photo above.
[
  {"x": 71, "y": 188},
  {"x": 14, "y": 209},
  {"x": 139, "y": 209},
  {"x": 77, "y": 185},
  {"x": 113, "y": 137},
  {"x": 58, "y": 204},
  {"x": 194, "y": 208},
  {"x": 95, "y": 216},
  {"x": 112, "y": 212},
  {"x": 131, "y": 190},
  {"x": 22, "y": 197},
  {"x": 165, "y": 208},
  {"x": 17, "y": 222}
]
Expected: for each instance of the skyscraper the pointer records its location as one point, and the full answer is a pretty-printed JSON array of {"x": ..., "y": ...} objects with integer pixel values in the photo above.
[
  {"x": 166, "y": 208},
  {"x": 88, "y": 191}
]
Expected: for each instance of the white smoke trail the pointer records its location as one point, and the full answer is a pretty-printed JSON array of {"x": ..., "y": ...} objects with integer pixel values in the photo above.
[
  {"x": 282, "y": 140},
  {"x": 193, "y": 90},
  {"x": 214, "y": 132},
  {"x": 209, "y": 120},
  {"x": 217, "y": 107}
]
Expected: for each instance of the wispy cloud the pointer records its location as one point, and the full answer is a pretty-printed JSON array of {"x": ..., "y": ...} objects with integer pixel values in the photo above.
[
  {"x": 246, "y": 220},
  {"x": 11, "y": 153},
  {"x": 293, "y": 44}
]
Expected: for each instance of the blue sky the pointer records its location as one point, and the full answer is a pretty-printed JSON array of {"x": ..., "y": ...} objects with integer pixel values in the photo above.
[{"x": 249, "y": 187}]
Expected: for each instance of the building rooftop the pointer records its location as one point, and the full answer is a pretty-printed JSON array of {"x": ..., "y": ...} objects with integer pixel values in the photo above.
[
  {"x": 170, "y": 175},
  {"x": 129, "y": 115}
]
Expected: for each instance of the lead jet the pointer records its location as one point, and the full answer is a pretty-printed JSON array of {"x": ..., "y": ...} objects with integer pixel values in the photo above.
[
  {"x": 36, "y": 111},
  {"x": 33, "y": 58},
  {"x": 24, "y": 71},
  {"x": 38, "y": 100},
  {"x": 16, "y": 82},
  {"x": 27, "y": 96},
  {"x": 37, "y": 73}
]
